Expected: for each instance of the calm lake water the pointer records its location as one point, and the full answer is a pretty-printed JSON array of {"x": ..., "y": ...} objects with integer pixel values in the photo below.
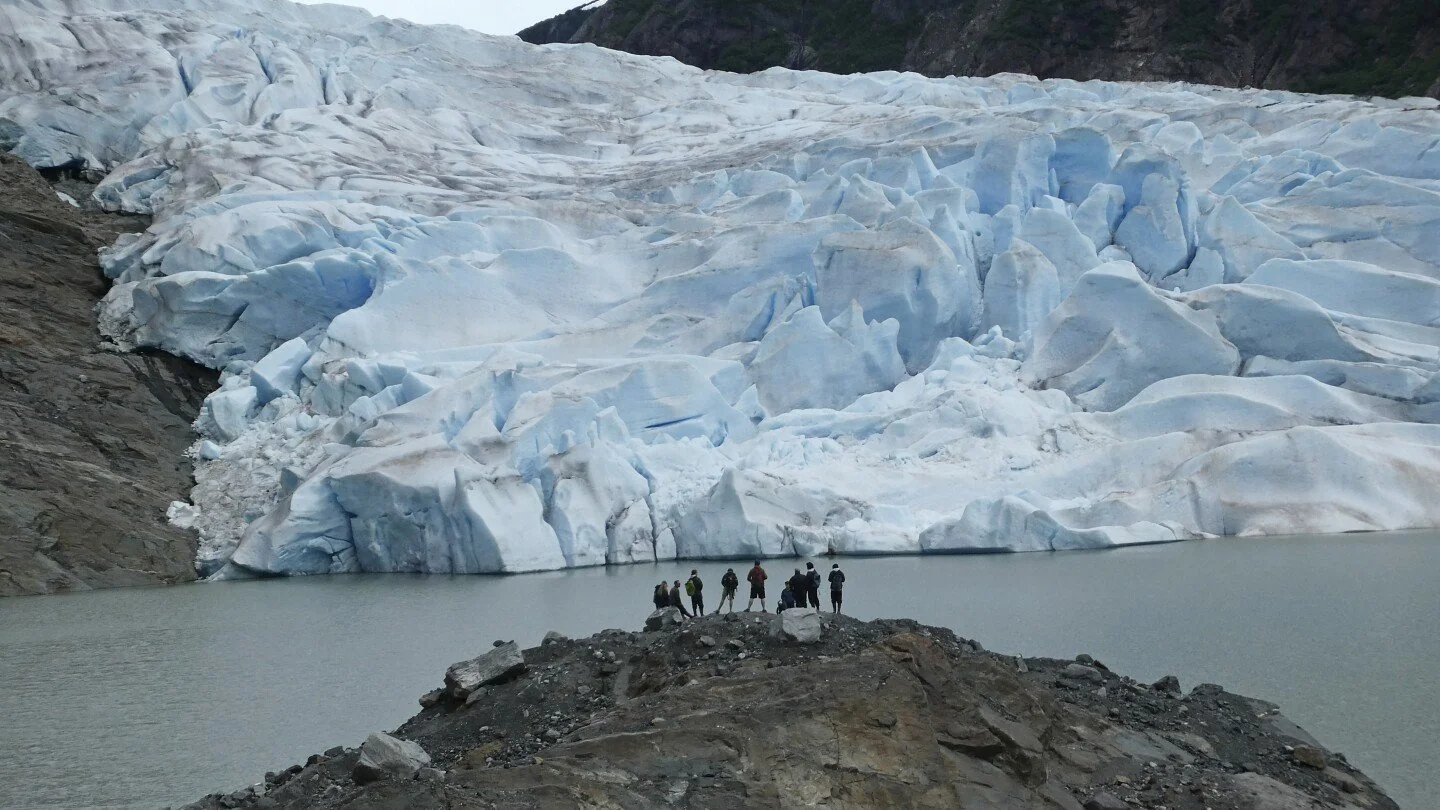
[{"x": 149, "y": 697}]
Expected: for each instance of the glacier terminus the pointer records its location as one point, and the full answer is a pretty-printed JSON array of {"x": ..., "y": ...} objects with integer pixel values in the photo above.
[{"x": 482, "y": 306}]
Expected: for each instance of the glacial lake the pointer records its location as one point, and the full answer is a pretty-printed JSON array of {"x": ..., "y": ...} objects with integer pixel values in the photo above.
[{"x": 157, "y": 696}]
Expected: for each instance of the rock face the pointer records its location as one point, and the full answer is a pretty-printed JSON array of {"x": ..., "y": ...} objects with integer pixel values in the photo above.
[
  {"x": 92, "y": 441},
  {"x": 500, "y": 663},
  {"x": 383, "y": 756},
  {"x": 879, "y": 714},
  {"x": 1384, "y": 47}
]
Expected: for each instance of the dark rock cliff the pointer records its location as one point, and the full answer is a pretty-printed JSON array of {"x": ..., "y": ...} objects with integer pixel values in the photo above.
[
  {"x": 91, "y": 441},
  {"x": 1364, "y": 47}
]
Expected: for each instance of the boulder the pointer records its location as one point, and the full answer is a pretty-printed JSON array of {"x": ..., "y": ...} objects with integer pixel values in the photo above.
[
  {"x": 1080, "y": 672},
  {"x": 384, "y": 756},
  {"x": 553, "y": 637},
  {"x": 1169, "y": 685},
  {"x": 499, "y": 664},
  {"x": 663, "y": 618},
  {"x": 798, "y": 624},
  {"x": 1309, "y": 755}
]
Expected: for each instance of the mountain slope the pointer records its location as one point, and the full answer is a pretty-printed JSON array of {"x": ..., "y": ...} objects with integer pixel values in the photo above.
[
  {"x": 92, "y": 439},
  {"x": 1363, "y": 47}
]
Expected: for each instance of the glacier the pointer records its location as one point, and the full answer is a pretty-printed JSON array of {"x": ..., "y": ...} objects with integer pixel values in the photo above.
[{"x": 482, "y": 306}]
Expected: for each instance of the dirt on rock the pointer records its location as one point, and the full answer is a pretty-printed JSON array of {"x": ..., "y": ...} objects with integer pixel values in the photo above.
[
  {"x": 91, "y": 440},
  {"x": 720, "y": 712}
]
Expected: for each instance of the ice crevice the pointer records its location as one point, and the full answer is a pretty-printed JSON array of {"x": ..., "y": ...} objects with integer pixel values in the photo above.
[{"x": 482, "y": 306}]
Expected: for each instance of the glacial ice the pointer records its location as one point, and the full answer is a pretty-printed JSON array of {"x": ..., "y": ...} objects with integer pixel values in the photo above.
[{"x": 483, "y": 306}]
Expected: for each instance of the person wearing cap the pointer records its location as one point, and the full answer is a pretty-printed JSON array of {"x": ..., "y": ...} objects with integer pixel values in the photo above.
[
  {"x": 694, "y": 587},
  {"x": 837, "y": 587}
]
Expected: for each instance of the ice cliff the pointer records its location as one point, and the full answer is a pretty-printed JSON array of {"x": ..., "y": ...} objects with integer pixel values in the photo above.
[{"x": 485, "y": 306}]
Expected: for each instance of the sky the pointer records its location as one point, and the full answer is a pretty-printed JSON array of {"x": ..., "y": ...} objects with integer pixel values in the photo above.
[{"x": 490, "y": 16}]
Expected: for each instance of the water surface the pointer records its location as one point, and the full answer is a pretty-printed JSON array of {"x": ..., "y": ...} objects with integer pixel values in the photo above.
[{"x": 147, "y": 697}]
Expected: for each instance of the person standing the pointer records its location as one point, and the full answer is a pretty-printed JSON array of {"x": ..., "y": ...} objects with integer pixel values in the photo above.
[
  {"x": 662, "y": 596},
  {"x": 837, "y": 587},
  {"x": 729, "y": 584},
  {"x": 676, "y": 601},
  {"x": 799, "y": 584},
  {"x": 756, "y": 578},
  {"x": 695, "y": 588},
  {"x": 812, "y": 585}
]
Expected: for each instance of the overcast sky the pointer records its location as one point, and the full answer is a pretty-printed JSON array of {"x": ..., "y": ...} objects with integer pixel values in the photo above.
[{"x": 490, "y": 16}]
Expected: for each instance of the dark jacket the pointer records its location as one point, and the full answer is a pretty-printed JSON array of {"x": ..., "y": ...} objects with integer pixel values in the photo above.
[
  {"x": 787, "y": 598},
  {"x": 661, "y": 598},
  {"x": 799, "y": 583},
  {"x": 730, "y": 582},
  {"x": 837, "y": 579},
  {"x": 675, "y": 599},
  {"x": 813, "y": 580},
  {"x": 699, "y": 586}
]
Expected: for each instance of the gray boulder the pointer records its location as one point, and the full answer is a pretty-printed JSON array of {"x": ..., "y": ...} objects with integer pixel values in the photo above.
[
  {"x": 500, "y": 664},
  {"x": 798, "y": 624},
  {"x": 663, "y": 618},
  {"x": 1082, "y": 673},
  {"x": 384, "y": 756}
]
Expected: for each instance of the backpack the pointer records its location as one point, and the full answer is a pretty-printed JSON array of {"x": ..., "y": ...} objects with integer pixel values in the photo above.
[
  {"x": 814, "y": 578},
  {"x": 689, "y": 587}
]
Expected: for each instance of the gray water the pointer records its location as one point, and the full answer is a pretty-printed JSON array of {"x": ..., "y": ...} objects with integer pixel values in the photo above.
[{"x": 147, "y": 697}]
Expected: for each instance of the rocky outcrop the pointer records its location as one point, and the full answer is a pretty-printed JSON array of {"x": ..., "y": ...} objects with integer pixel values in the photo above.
[
  {"x": 92, "y": 441},
  {"x": 720, "y": 712},
  {"x": 1379, "y": 47}
]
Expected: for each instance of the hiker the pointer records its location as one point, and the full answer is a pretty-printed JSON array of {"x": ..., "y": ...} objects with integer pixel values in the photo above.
[
  {"x": 799, "y": 584},
  {"x": 787, "y": 599},
  {"x": 662, "y": 596},
  {"x": 837, "y": 586},
  {"x": 729, "y": 584},
  {"x": 756, "y": 578},
  {"x": 676, "y": 601},
  {"x": 812, "y": 585},
  {"x": 694, "y": 587}
]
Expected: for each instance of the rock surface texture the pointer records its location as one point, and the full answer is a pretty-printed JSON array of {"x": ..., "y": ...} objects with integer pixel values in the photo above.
[
  {"x": 1385, "y": 47},
  {"x": 92, "y": 440},
  {"x": 880, "y": 714},
  {"x": 484, "y": 306}
]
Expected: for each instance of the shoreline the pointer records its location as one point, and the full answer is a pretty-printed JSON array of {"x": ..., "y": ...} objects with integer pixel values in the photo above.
[{"x": 611, "y": 715}]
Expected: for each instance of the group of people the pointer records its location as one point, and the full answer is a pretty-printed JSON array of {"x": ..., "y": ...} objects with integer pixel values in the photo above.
[{"x": 802, "y": 589}]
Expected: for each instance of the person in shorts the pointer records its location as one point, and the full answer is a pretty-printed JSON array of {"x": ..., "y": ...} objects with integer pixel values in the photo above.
[
  {"x": 729, "y": 584},
  {"x": 756, "y": 578}
]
